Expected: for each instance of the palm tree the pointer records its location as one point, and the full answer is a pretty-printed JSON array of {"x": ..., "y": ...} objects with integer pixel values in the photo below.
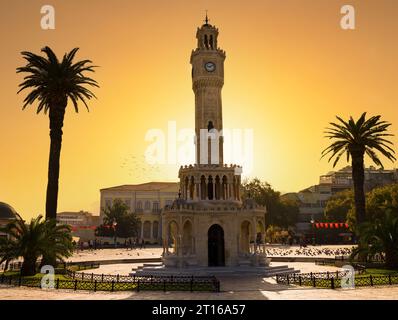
[
  {"x": 355, "y": 139},
  {"x": 381, "y": 237},
  {"x": 34, "y": 240},
  {"x": 51, "y": 83}
]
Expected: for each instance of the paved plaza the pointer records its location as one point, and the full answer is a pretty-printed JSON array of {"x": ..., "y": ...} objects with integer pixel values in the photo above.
[
  {"x": 244, "y": 287},
  {"x": 156, "y": 252}
]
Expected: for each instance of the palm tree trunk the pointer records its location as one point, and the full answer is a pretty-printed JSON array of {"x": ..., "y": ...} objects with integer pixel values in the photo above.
[
  {"x": 28, "y": 266},
  {"x": 358, "y": 176},
  {"x": 56, "y": 115}
]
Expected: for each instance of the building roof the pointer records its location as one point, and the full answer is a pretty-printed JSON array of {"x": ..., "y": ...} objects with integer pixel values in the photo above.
[
  {"x": 149, "y": 186},
  {"x": 77, "y": 213},
  {"x": 6, "y": 211}
]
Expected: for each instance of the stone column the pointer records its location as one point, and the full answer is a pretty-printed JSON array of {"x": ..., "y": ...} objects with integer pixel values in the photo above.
[
  {"x": 151, "y": 235},
  {"x": 255, "y": 234}
]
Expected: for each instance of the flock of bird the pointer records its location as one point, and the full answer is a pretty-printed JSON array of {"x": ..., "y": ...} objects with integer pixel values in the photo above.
[
  {"x": 138, "y": 167},
  {"x": 309, "y": 252}
]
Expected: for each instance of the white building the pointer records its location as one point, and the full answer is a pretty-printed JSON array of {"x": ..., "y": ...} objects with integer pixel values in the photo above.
[{"x": 146, "y": 200}]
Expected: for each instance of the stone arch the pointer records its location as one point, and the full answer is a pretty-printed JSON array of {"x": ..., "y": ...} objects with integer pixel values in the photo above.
[
  {"x": 187, "y": 236},
  {"x": 260, "y": 230},
  {"x": 206, "y": 42},
  {"x": 234, "y": 188},
  {"x": 191, "y": 187},
  {"x": 216, "y": 246},
  {"x": 203, "y": 187},
  {"x": 186, "y": 186},
  {"x": 210, "y": 193},
  {"x": 147, "y": 230},
  {"x": 218, "y": 188},
  {"x": 244, "y": 236},
  {"x": 173, "y": 235},
  {"x": 224, "y": 187}
]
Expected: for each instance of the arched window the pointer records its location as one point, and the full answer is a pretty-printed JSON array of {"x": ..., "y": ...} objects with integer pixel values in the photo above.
[
  {"x": 147, "y": 205},
  {"x": 218, "y": 188},
  {"x": 138, "y": 206},
  {"x": 147, "y": 230},
  {"x": 206, "y": 42},
  {"x": 210, "y": 125},
  {"x": 192, "y": 188},
  {"x": 203, "y": 187},
  {"x": 155, "y": 230},
  {"x": 210, "y": 193}
]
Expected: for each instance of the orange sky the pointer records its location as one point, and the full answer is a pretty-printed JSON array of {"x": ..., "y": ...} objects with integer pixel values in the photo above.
[{"x": 290, "y": 69}]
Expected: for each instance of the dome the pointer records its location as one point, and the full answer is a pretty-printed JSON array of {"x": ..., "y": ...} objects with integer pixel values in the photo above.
[
  {"x": 6, "y": 211},
  {"x": 177, "y": 203}
]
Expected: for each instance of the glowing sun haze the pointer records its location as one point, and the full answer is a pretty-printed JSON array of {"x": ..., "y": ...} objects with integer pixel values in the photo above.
[{"x": 289, "y": 70}]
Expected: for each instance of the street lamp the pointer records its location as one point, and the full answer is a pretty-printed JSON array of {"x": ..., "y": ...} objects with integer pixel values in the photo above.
[
  {"x": 313, "y": 230},
  {"x": 114, "y": 224}
]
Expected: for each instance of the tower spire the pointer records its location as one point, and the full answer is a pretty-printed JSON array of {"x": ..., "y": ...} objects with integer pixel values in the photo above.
[{"x": 207, "y": 19}]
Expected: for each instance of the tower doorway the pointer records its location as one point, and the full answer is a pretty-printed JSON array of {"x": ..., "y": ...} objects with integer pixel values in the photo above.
[{"x": 216, "y": 252}]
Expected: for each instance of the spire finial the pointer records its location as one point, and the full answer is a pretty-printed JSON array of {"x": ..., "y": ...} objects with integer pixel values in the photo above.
[{"x": 207, "y": 19}]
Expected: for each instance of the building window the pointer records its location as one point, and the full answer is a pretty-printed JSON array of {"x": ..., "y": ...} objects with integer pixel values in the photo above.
[
  {"x": 147, "y": 205},
  {"x": 155, "y": 230},
  {"x": 147, "y": 230},
  {"x": 138, "y": 206},
  {"x": 155, "y": 206},
  {"x": 108, "y": 203}
]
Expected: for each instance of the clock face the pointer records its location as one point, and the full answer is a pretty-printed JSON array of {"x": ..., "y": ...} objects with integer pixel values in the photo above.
[{"x": 210, "y": 66}]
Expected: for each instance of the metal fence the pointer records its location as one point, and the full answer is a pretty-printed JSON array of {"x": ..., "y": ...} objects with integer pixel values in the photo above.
[
  {"x": 92, "y": 283},
  {"x": 80, "y": 280},
  {"x": 332, "y": 280}
]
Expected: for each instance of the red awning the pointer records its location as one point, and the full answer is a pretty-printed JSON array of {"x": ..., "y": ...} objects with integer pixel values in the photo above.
[{"x": 331, "y": 225}]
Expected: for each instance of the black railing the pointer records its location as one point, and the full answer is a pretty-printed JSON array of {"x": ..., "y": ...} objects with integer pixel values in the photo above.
[
  {"x": 112, "y": 283},
  {"x": 332, "y": 280}
]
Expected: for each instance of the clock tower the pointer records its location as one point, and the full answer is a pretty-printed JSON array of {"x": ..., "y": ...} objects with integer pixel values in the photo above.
[
  {"x": 210, "y": 224},
  {"x": 207, "y": 62}
]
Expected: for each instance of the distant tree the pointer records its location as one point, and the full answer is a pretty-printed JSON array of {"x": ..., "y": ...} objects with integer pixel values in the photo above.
[
  {"x": 339, "y": 206},
  {"x": 126, "y": 221},
  {"x": 355, "y": 139},
  {"x": 280, "y": 212},
  {"x": 381, "y": 199},
  {"x": 52, "y": 83}
]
